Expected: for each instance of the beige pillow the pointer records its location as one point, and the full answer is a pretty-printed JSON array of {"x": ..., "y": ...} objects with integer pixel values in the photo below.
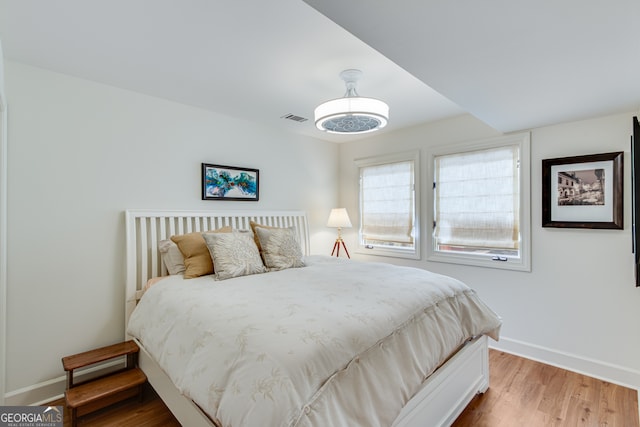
[
  {"x": 280, "y": 248},
  {"x": 197, "y": 260},
  {"x": 171, "y": 256},
  {"x": 254, "y": 227},
  {"x": 234, "y": 254}
]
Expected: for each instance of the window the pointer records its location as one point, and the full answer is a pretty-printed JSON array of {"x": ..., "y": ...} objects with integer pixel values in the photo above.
[
  {"x": 481, "y": 203},
  {"x": 388, "y": 219}
]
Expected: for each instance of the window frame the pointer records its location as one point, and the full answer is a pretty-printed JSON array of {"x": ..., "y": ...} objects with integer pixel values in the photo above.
[
  {"x": 523, "y": 263},
  {"x": 410, "y": 156}
]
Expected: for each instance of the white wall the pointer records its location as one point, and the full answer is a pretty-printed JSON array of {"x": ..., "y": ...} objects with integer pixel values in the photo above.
[
  {"x": 80, "y": 153},
  {"x": 578, "y": 307}
]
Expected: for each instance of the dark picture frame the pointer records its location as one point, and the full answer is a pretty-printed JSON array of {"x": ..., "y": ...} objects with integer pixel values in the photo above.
[
  {"x": 635, "y": 197},
  {"x": 583, "y": 191},
  {"x": 221, "y": 182}
]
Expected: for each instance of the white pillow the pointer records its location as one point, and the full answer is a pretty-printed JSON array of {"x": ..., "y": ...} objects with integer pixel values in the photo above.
[
  {"x": 171, "y": 256},
  {"x": 234, "y": 254}
]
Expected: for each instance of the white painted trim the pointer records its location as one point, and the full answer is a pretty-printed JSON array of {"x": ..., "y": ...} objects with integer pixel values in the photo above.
[
  {"x": 614, "y": 374},
  {"x": 37, "y": 394},
  {"x": 3, "y": 231},
  {"x": 53, "y": 389}
]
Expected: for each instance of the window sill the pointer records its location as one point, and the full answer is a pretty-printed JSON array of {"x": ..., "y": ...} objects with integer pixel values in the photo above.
[
  {"x": 516, "y": 264},
  {"x": 394, "y": 253}
]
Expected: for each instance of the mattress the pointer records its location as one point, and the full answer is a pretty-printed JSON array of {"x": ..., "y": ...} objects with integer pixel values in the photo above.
[{"x": 335, "y": 343}]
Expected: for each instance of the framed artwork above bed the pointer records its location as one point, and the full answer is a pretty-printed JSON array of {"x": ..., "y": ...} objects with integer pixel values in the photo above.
[{"x": 230, "y": 183}]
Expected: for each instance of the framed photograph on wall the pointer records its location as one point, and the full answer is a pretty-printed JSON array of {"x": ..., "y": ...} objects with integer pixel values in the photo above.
[
  {"x": 583, "y": 191},
  {"x": 230, "y": 183}
]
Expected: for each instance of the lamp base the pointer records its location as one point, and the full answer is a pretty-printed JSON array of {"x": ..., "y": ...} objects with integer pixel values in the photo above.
[{"x": 336, "y": 248}]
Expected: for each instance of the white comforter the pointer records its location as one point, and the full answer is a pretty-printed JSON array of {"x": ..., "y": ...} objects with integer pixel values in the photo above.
[{"x": 335, "y": 343}]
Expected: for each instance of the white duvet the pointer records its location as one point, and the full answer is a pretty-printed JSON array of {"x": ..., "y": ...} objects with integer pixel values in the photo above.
[{"x": 335, "y": 343}]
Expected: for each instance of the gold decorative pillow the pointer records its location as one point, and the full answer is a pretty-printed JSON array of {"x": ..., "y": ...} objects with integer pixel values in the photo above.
[
  {"x": 197, "y": 260},
  {"x": 280, "y": 247},
  {"x": 234, "y": 254}
]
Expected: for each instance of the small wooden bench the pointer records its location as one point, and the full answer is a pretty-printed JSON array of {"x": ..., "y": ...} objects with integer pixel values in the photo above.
[{"x": 96, "y": 393}]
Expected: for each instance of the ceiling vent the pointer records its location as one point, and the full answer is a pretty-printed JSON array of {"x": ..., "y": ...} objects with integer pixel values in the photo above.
[{"x": 294, "y": 118}]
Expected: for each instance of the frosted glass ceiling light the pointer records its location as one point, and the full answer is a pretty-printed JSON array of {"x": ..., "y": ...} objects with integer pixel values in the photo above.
[{"x": 351, "y": 114}]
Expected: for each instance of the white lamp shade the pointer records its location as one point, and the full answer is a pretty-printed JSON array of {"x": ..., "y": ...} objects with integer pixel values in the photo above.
[{"x": 339, "y": 218}]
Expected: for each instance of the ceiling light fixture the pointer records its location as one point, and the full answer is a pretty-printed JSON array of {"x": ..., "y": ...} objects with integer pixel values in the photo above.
[{"x": 351, "y": 114}]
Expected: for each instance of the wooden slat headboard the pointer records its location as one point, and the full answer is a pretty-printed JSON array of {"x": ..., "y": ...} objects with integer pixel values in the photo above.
[{"x": 145, "y": 228}]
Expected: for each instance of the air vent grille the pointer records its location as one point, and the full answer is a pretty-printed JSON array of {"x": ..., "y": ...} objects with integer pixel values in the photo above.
[{"x": 294, "y": 118}]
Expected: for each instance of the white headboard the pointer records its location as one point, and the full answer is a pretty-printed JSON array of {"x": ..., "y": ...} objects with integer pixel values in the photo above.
[{"x": 145, "y": 228}]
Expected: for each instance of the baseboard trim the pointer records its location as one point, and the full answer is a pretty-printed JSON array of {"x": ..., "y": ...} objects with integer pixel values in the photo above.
[
  {"x": 47, "y": 391},
  {"x": 615, "y": 374},
  {"x": 53, "y": 389}
]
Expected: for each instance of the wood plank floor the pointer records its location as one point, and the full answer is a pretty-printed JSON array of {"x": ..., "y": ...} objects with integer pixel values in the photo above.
[
  {"x": 151, "y": 412},
  {"x": 527, "y": 393},
  {"x": 523, "y": 393}
]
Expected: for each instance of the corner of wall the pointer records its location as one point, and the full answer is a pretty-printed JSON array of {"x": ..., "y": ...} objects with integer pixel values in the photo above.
[{"x": 3, "y": 228}]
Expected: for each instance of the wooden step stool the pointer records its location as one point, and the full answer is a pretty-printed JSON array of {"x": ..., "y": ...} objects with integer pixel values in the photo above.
[{"x": 96, "y": 393}]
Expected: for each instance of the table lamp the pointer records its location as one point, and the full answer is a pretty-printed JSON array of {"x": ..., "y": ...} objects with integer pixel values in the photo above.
[{"x": 339, "y": 218}]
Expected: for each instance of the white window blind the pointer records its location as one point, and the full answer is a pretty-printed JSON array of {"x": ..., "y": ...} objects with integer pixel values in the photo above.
[
  {"x": 477, "y": 199},
  {"x": 387, "y": 204}
]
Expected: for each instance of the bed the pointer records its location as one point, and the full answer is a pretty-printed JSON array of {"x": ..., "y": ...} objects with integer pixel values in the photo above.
[{"x": 310, "y": 341}]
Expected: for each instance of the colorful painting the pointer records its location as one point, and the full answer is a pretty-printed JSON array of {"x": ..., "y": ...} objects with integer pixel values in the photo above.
[{"x": 229, "y": 183}]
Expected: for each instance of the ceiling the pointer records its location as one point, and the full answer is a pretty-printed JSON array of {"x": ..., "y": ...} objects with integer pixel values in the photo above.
[{"x": 513, "y": 64}]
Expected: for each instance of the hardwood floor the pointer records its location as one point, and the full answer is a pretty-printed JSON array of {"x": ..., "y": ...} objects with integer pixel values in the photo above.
[
  {"x": 527, "y": 393},
  {"x": 523, "y": 393},
  {"x": 151, "y": 412}
]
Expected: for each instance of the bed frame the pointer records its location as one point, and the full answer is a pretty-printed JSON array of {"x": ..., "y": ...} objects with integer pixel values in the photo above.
[{"x": 442, "y": 398}]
